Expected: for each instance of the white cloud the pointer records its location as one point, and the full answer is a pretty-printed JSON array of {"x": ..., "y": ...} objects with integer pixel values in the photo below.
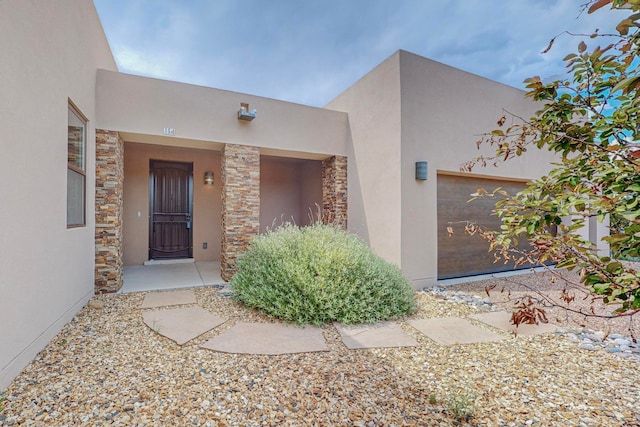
[{"x": 141, "y": 63}]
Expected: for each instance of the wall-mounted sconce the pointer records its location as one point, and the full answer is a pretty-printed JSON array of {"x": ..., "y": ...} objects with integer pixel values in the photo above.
[
  {"x": 208, "y": 178},
  {"x": 245, "y": 114},
  {"x": 421, "y": 171}
]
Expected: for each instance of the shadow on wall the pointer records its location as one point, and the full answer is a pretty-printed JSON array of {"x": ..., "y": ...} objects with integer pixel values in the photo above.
[{"x": 290, "y": 190}]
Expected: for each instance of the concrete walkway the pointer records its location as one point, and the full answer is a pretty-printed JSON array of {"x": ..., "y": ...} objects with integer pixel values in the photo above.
[
  {"x": 185, "y": 321},
  {"x": 171, "y": 275}
]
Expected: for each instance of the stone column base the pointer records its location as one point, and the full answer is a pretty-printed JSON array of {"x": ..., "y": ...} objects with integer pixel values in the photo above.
[
  {"x": 334, "y": 191},
  {"x": 240, "y": 203}
]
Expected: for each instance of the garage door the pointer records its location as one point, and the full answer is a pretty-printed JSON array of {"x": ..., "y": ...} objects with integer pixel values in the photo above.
[{"x": 461, "y": 254}]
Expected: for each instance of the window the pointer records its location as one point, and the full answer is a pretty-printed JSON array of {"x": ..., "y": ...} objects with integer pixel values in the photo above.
[{"x": 76, "y": 171}]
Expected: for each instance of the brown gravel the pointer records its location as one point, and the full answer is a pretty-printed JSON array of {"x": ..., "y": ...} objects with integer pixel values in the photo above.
[
  {"x": 107, "y": 368},
  {"x": 547, "y": 288}
]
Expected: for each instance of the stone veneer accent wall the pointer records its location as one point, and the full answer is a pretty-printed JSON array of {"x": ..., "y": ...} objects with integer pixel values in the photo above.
[
  {"x": 109, "y": 185},
  {"x": 334, "y": 191},
  {"x": 240, "y": 203}
]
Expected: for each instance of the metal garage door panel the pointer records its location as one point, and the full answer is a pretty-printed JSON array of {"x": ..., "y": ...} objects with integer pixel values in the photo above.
[{"x": 461, "y": 254}]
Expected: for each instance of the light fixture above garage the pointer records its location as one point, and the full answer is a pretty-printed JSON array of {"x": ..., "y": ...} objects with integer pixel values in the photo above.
[
  {"x": 245, "y": 114},
  {"x": 208, "y": 178}
]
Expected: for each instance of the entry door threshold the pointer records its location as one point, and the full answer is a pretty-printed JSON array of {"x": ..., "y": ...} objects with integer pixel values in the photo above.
[{"x": 169, "y": 261}]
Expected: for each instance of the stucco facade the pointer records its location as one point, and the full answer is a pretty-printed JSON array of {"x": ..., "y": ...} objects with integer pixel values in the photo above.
[
  {"x": 411, "y": 109},
  {"x": 350, "y": 163}
]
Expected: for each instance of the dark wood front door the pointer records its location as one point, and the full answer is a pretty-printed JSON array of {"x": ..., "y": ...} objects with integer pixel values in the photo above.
[{"x": 171, "y": 207}]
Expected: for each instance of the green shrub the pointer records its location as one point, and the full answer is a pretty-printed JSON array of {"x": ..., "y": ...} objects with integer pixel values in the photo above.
[
  {"x": 319, "y": 274},
  {"x": 461, "y": 405}
]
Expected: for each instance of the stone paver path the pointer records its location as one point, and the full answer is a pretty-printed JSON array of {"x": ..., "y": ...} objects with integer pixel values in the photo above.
[{"x": 184, "y": 324}]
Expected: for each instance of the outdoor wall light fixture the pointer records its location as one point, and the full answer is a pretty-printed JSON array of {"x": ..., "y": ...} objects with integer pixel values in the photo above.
[
  {"x": 245, "y": 114},
  {"x": 421, "y": 171},
  {"x": 208, "y": 178}
]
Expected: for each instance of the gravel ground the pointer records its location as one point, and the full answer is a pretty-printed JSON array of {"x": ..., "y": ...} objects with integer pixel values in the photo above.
[
  {"x": 543, "y": 287},
  {"x": 107, "y": 368}
]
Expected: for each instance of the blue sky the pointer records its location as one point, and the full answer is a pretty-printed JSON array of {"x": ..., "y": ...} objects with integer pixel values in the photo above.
[{"x": 308, "y": 51}]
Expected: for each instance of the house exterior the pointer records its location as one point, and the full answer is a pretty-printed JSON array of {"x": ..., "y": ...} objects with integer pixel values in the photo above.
[{"x": 138, "y": 150}]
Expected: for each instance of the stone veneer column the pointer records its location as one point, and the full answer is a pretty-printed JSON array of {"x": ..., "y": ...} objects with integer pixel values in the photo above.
[
  {"x": 109, "y": 185},
  {"x": 334, "y": 191},
  {"x": 240, "y": 203}
]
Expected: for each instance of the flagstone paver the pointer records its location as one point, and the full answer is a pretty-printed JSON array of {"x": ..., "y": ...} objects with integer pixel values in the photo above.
[
  {"x": 181, "y": 324},
  {"x": 168, "y": 298},
  {"x": 502, "y": 320},
  {"x": 184, "y": 324},
  {"x": 268, "y": 338},
  {"x": 454, "y": 330},
  {"x": 382, "y": 334}
]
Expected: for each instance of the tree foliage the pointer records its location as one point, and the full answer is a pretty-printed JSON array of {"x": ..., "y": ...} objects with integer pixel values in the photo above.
[{"x": 592, "y": 120}]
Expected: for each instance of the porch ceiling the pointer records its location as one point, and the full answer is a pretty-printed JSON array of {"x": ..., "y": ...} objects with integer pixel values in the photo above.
[
  {"x": 293, "y": 154},
  {"x": 171, "y": 141}
]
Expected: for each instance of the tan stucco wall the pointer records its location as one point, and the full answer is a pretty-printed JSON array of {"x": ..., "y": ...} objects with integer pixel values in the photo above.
[
  {"x": 144, "y": 106},
  {"x": 50, "y": 52},
  {"x": 443, "y": 112},
  {"x": 374, "y": 179},
  {"x": 206, "y": 199},
  {"x": 289, "y": 188}
]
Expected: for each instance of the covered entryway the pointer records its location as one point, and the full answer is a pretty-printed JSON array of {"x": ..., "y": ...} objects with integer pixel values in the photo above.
[
  {"x": 171, "y": 210},
  {"x": 461, "y": 254},
  {"x": 153, "y": 204},
  {"x": 144, "y": 119}
]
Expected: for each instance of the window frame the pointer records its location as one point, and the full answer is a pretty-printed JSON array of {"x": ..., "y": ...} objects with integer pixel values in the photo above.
[{"x": 73, "y": 109}]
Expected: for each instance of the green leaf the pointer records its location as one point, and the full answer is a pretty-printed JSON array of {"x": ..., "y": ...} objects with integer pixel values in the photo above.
[
  {"x": 568, "y": 263},
  {"x": 627, "y": 84},
  {"x": 614, "y": 267}
]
